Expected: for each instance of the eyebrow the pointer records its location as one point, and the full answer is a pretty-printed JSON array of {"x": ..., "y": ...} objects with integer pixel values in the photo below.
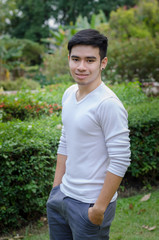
[{"x": 88, "y": 57}]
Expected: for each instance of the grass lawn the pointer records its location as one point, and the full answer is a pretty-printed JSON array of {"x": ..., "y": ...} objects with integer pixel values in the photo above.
[{"x": 131, "y": 217}]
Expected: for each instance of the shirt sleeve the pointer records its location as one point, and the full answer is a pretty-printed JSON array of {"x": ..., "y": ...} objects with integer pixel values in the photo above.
[
  {"x": 113, "y": 120},
  {"x": 62, "y": 148}
]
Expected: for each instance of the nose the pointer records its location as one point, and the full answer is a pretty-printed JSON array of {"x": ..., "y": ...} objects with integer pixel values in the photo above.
[{"x": 81, "y": 66}]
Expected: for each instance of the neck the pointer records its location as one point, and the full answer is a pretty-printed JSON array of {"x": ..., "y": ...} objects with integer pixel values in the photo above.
[{"x": 83, "y": 90}]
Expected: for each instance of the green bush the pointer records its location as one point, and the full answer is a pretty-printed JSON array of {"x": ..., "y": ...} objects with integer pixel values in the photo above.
[
  {"x": 144, "y": 134},
  {"x": 26, "y": 104},
  {"x": 20, "y": 83},
  {"x": 134, "y": 59},
  {"x": 21, "y": 111},
  {"x": 129, "y": 93},
  {"x": 28, "y": 151},
  {"x": 57, "y": 63},
  {"x": 45, "y": 80},
  {"x": 19, "y": 56}
]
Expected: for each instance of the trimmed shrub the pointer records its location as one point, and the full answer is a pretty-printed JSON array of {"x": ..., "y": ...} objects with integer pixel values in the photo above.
[
  {"x": 50, "y": 94},
  {"x": 129, "y": 93},
  {"x": 27, "y": 158},
  {"x": 20, "y": 83},
  {"x": 23, "y": 111},
  {"x": 27, "y": 104},
  {"x": 44, "y": 80},
  {"x": 144, "y": 134}
]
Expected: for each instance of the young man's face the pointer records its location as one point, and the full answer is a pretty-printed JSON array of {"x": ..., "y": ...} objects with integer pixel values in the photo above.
[{"x": 85, "y": 64}]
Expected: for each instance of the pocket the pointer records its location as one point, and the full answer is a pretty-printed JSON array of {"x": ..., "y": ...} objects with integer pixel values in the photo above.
[
  {"x": 52, "y": 194},
  {"x": 87, "y": 218},
  {"x": 53, "y": 190}
]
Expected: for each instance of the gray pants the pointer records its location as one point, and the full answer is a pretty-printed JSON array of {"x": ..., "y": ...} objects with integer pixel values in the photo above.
[{"x": 68, "y": 219}]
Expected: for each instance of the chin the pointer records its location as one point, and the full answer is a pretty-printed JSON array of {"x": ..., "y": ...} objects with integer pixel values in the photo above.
[{"x": 81, "y": 83}]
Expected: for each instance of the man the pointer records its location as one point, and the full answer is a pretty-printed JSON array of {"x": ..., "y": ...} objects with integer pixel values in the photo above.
[{"x": 93, "y": 153}]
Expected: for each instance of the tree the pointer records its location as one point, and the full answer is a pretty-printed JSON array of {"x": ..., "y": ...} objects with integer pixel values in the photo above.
[
  {"x": 32, "y": 22},
  {"x": 7, "y": 10},
  {"x": 67, "y": 11},
  {"x": 148, "y": 12},
  {"x": 107, "y": 6},
  {"x": 141, "y": 21},
  {"x": 124, "y": 24}
]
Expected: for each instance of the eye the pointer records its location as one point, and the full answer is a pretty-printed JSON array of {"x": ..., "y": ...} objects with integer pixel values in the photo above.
[
  {"x": 75, "y": 59},
  {"x": 90, "y": 60}
]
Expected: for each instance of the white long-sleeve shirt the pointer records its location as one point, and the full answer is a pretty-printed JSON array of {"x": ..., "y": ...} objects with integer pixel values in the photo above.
[{"x": 95, "y": 138}]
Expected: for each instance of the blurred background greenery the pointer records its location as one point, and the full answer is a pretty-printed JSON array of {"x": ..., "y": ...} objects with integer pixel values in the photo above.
[{"x": 34, "y": 36}]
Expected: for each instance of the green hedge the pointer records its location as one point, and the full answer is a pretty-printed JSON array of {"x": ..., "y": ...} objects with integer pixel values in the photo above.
[
  {"x": 30, "y": 104},
  {"x": 20, "y": 83},
  {"x": 23, "y": 111},
  {"x": 144, "y": 134},
  {"x": 27, "y": 160}
]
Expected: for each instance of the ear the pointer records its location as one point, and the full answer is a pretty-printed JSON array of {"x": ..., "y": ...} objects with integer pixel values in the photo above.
[
  {"x": 68, "y": 57},
  {"x": 104, "y": 63}
]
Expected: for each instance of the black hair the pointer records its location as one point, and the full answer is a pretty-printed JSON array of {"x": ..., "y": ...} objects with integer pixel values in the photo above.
[{"x": 90, "y": 37}]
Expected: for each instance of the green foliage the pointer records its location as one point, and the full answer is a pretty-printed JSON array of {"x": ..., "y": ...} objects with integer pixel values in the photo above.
[
  {"x": 66, "y": 12},
  {"x": 23, "y": 110},
  {"x": 20, "y": 83},
  {"x": 28, "y": 151},
  {"x": 50, "y": 94},
  {"x": 59, "y": 38},
  {"x": 144, "y": 134},
  {"x": 17, "y": 56},
  {"x": 56, "y": 38},
  {"x": 148, "y": 13},
  {"x": 129, "y": 93},
  {"x": 134, "y": 59},
  {"x": 7, "y": 9},
  {"x": 32, "y": 22},
  {"x": 141, "y": 21},
  {"x": 26, "y": 104},
  {"x": 125, "y": 25},
  {"x": 56, "y": 64},
  {"x": 144, "y": 131}
]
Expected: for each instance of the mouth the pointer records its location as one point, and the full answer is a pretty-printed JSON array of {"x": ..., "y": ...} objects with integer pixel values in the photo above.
[{"x": 81, "y": 76}]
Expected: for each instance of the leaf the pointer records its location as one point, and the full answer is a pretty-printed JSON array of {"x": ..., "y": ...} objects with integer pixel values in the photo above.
[
  {"x": 145, "y": 198},
  {"x": 131, "y": 206},
  {"x": 141, "y": 211},
  {"x": 18, "y": 237},
  {"x": 149, "y": 228},
  {"x": 152, "y": 228}
]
